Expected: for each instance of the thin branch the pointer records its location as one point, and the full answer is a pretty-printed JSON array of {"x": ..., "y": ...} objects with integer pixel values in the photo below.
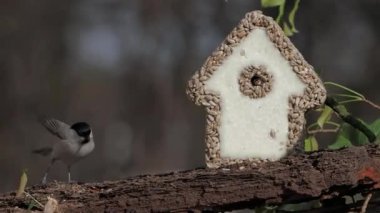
[
  {"x": 323, "y": 131},
  {"x": 344, "y": 88},
  {"x": 345, "y": 96},
  {"x": 372, "y": 104},
  {"x": 365, "y": 204},
  {"x": 348, "y": 118},
  {"x": 34, "y": 199},
  {"x": 350, "y": 101},
  {"x": 318, "y": 128},
  {"x": 356, "y": 97}
]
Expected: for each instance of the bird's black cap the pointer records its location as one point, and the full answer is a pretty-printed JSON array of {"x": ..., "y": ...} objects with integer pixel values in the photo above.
[{"x": 82, "y": 128}]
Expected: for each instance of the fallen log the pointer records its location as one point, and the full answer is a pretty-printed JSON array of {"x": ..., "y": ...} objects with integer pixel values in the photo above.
[{"x": 324, "y": 175}]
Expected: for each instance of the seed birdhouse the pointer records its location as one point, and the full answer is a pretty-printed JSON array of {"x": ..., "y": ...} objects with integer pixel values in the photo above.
[{"x": 256, "y": 88}]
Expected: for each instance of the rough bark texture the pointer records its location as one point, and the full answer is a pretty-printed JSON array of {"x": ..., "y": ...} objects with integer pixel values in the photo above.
[{"x": 320, "y": 175}]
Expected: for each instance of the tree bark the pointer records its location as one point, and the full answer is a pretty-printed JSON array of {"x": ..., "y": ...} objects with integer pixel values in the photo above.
[{"x": 324, "y": 175}]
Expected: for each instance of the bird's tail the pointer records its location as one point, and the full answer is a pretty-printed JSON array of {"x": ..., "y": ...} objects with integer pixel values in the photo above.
[{"x": 43, "y": 151}]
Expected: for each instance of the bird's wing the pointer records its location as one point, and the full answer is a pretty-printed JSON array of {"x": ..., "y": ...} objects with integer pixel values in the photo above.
[{"x": 58, "y": 128}]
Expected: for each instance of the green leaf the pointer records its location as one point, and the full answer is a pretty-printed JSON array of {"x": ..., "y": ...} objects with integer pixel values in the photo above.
[
  {"x": 292, "y": 15},
  {"x": 342, "y": 140},
  {"x": 21, "y": 186},
  {"x": 362, "y": 139},
  {"x": 31, "y": 205},
  {"x": 281, "y": 10},
  {"x": 344, "y": 88},
  {"x": 272, "y": 3},
  {"x": 287, "y": 30},
  {"x": 325, "y": 116},
  {"x": 304, "y": 206},
  {"x": 311, "y": 144},
  {"x": 265, "y": 209},
  {"x": 375, "y": 127},
  {"x": 345, "y": 130}
]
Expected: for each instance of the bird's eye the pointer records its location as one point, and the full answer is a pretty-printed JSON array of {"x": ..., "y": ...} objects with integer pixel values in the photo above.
[{"x": 86, "y": 133}]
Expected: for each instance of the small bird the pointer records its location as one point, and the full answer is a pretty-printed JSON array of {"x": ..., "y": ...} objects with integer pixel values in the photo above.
[{"x": 76, "y": 141}]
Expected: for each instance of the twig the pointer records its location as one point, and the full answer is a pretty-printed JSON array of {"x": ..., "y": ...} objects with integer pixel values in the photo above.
[
  {"x": 323, "y": 131},
  {"x": 365, "y": 204},
  {"x": 372, "y": 104},
  {"x": 34, "y": 199},
  {"x": 348, "y": 118}
]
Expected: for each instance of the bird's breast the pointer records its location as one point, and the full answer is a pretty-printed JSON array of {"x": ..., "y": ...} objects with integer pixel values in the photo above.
[{"x": 86, "y": 148}]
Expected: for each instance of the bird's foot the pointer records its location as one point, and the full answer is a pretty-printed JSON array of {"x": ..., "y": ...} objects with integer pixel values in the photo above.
[
  {"x": 72, "y": 181},
  {"x": 43, "y": 182}
]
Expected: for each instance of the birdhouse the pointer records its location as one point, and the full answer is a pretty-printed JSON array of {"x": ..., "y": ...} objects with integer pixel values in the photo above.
[{"x": 256, "y": 88}]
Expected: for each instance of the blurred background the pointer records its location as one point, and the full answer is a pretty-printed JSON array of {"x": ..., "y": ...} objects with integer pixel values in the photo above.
[{"x": 122, "y": 66}]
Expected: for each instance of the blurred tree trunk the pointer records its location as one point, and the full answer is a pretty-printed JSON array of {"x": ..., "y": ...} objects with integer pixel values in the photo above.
[{"x": 33, "y": 56}]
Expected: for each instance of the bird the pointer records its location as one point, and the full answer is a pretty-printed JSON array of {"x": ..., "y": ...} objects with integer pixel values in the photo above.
[{"x": 75, "y": 142}]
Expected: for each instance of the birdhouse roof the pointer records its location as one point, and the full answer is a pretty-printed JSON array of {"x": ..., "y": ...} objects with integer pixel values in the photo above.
[{"x": 253, "y": 20}]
